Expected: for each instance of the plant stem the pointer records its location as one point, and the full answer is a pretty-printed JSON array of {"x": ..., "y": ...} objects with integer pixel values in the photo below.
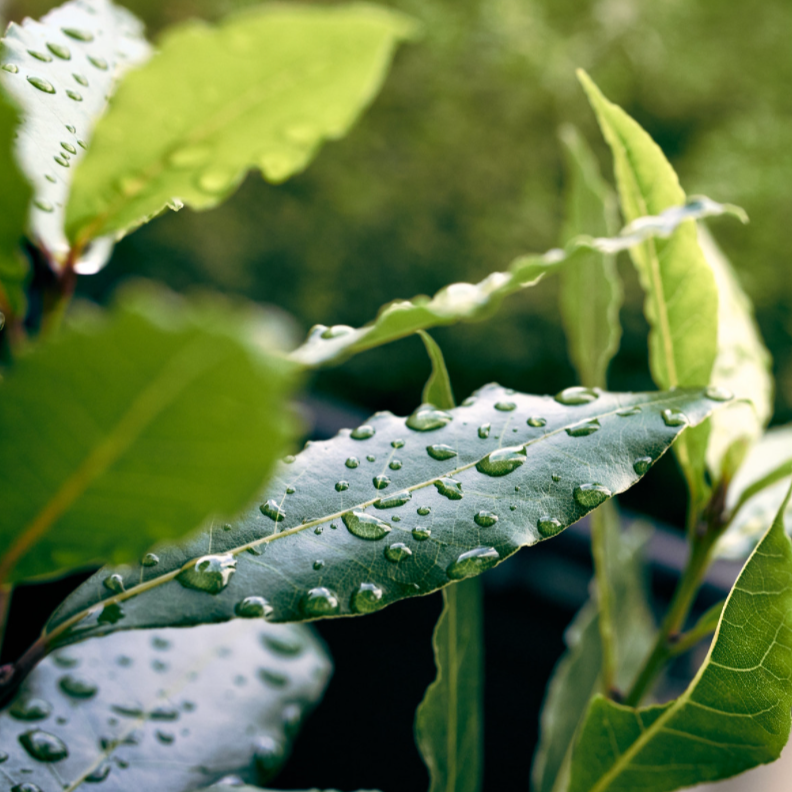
[
  {"x": 5, "y": 603},
  {"x": 604, "y": 596}
]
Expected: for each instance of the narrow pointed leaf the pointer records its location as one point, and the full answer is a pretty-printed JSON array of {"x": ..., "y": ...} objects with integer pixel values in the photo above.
[
  {"x": 735, "y": 713},
  {"x": 400, "y": 508},
  {"x": 143, "y": 423},
  {"x": 438, "y": 389},
  {"x": 164, "y": 711},
  {"x": 263, "y": 89},
  {"x": 61, "y": 71}
]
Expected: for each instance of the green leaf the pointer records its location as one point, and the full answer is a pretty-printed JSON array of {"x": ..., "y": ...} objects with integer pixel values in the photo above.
[
  {"x": 262, "y": 89},
  {"x": 438, "y": 389},
  {"x": 61, "y": 71},
  {"x": 472, "y": 302},
  {"x": 577, "y": 676},
  {"x": 166, "y": 710},
  {"x": 135, "y": 427},
  {"x": 735, "y": 713},
  {"x": 590, "y": 289},
  {"x": 338, "y": 534}
]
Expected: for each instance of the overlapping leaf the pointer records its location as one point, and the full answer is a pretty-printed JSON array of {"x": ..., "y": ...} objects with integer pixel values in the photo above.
[
  {"x": 735, "y": 713},
  {"x": 262, "y": 89},
  {"x": 136, "y": 427},
  {"x": 164, "y": 711}
]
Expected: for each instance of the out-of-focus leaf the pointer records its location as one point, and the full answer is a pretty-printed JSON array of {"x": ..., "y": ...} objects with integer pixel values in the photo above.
[
  {"x": 590, "y": 289},
  {"x": 134, "y": 428},
  {"x": 735, "y": 713},
  {"x": 262, "y": 89},
  {"x": 165, "y": 710},
  {"x": 438, "y": 389},
  {"x": 400, "y": 508},
  {"x": 61, "y": 71}
]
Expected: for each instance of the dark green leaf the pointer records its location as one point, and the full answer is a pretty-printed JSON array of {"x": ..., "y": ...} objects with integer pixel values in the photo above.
[
  {"x": 438, "y": 389},
  {"x": 262, "y": 89},
  {"x": 454, "y": 521},
  {"x": 136, "y": 427},
  {"x": 735, "y": 713},
  {"x": 163, "y": 711}
]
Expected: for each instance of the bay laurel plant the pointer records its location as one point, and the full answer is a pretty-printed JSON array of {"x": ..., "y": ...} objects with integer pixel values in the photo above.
[{"x": 156, "y": 437}]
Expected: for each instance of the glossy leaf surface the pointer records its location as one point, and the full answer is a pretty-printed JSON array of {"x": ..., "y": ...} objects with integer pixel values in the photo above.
[
  {"x": 135, "y": 427},
  {"x": 164, "y": 711},
  {"x": 735, "y": 713},
  {"x": 400, "y": 508},
  {"x": 263, "y": 89},
  {"x": 61, "y": 71}
]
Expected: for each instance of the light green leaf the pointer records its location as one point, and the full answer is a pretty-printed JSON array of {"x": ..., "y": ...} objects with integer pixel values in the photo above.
[
  {"x": 757, "y": 491},
  {"x": 735, "y": 713},
  {"x": 165, "y": 710},
  {"x": 136, "y": 427},
  {"x": 438, "y": 389},
  {"x": 472, "y": 302},
  {"x": 263, "y": 89},
  {"x": 61, "y": 71},
  {"x": 590, "y": 290},
  {"x": 400, "y": 508},
  {"x": 577, "y": 676}
]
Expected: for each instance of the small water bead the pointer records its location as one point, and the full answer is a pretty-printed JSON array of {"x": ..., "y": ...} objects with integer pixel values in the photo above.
[
  {"x": 395, "y": 464},
  {"x": 41, "y": 84},
  {"x": 548, "y": 526},
  {"x": 484, "y": 431},
  {"x": 674, "y": 418},
  {"x": 78, "y": 78},
  {"x": 77, "y": 687},
  {"x": 30, "y": 709},
  {"x": 427, "y": 418},
  {"x": 318, "y": 564},
  {"x": 642, "y": 465},
  {"x": 371, "y": 458},
  {"x": 165, "y": 737},
  {"x": 98, "y": 774},
  {"x": 341, "y": 486},
  {"x": 320, "y": 601},
  {"x": 367, "y": 598},
  {"x": 25, "y": 787},
  {"x": 472, "y": 562},
  {"x": 584, "y": 430},
  {"x": 352, "y": 463},
  {"x": 394, "y": 501},
  {"x": 62, "y": 161},
  {"x": 485, "y": 519},
  {"x": 589, "y": 496},
  {"x": 397, "y": 552},
  {"x": 273, "y": 678},
  {"x": 421, "y": 534},
  {"x": 440, "y": 452},
  {"x": 380, "y": 482},
  {"x": 398, "y": 443},
  {"x": 555, "y": 477},
  {"x": 77, "y": 97},
  {"x": 253, "y": 607},
  {"x": 363, "y": 432},
  {"x": 77, "y": 34},
  {"x": 396, "y": 518},
  {"x": 505, "y": 406},
  {"x": 43, "y": 746},
  {"x": 3, "y": 757},
  {"x": 502, "y": 461},
  {"x": 576, "y": 395},
  {"x": 59, "y": 51},
  {"x": 628, "y": 412},
  {"x": 718, "y": 393},
  {"x": 318, "y": 530},
  {"x": 209, "y": 573},
  {"x": 99, "y": 63},
  {"x": 41, "y": 56},
  {"x": 272, "y": 510},
  {"x": 114, "y": 583},
  {"x": 424, "y": 510},
  {"x": 44, "y": 206},
  {"x": 450, "y": 488},
  {"x": 150, "y": 560},
  {"x": 289, "y": 459},
  {"x": 50, "y": 178},
  {"x": 333, "y": 526},
  {"x": 71, "y": 129},
  {"x": 11, "y": 68},
  {"x": 336, "y": 331},
  {"x": 365, "y": 526}
]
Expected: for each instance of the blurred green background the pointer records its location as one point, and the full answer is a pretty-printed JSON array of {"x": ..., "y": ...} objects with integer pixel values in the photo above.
[{"x": 457, "y": 169}]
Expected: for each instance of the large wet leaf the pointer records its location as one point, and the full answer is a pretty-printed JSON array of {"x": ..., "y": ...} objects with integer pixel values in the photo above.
[
  {"x": 735, "y": 713},
  {"x": 473, "y": 302},
  {"x": 61, "y": 71},
  {"x": 163, "y": 711},
  {"x": 399, "y": 508},
  {"x": 134, "y": 427},
  {"x": 263, "y": 89}
]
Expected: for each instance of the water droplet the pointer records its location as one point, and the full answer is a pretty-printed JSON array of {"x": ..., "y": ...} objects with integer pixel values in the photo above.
[
  {"x": 440, "y": 452},
  {"x": 341, "y": 486},
  {"x": 367, "y": 598},
  {"x": 100, "y": 63},
  {"x": 292, "y": 715},
  {"x": 45, "y": 206},
  {"x": 505, "y": 406},
  {"x": 674, "y": 418},
  {"x": 269, "y": 755},
  {"x": 371, "y": 458},
  {"x": 642, "y": 465},
  {"x": 286, "y": 645},
  {"x": 320, "y": 601},
  {"x": 395, "y": 464},
  {"x": 12, "y": 68},
  {"x": 289, "y": 459},
  {"x": 397, "y": 552},
  {"x": 318, "y": 564},
  {"x": 77, "y": 34},
  {"x": 160, "y": 644},
  {"x": 536, "y": 421},
  {"x": 41, "y": 84},
  {"x": 590, "y": 496},
  {"x": 485, "y": 519},
  {"x": 165, "y": 737},
  {"x": 290, "y": 490},
  {"x": 393, "y": 501},
  {"x": 98, "y": 774},
  {"x": 189, "y": 156},
  {"x": 333, "y": 526},
  {"x": 42, "y": 56},
  {"x": 484, "y": 431},
  {"x": 450, "y": 488},
  {"x": 555, "y": 477},
  {"x": 273, "y": 678},
  {"x": 584, "y": 430},
  {"x": 363, "y": 432},
  {"x": 163, "y": 712},
  {"x": 43, "y": 746},
  {"x": 30, "y": 709},
  {"x": 76, "y": 687},
  {"x": 398, "y": 443},
  {"x": 272, "y": 510},
  {"x": 424, "y": 510},
  {"x": 352, "y": 462},
  {"x": 629, "y": 411},
  {"x": 336, "y": 331},
  {"x": 216, "y": 180},
  {"x": 548, "y": 526},
  {"x": 114, "y": 583},
  {"x": 427, "y": 417},
  {"x": 210, "y": 573},
  {"x": 717, "y": 393},
  {"x": 576, "y": 395},
  {"x": 150, "y": 560},
  {"x": 3, "y": 757},
  {"x": 381, "y": 482},
  {"x": 77, "y": 97},
  {"x": 50, "y": 178},
  {"x": 25, "y": 787},
  {"x": 318, "y": 530},
  {"x": 472, "y": 562},
  {"x": 365, "y": 526},
  {"x": 59, "y": 51},
  {"x": 78, "y": 78},
  {"x": 421, "y": 534},
  {"x": 502, "y": 461},
  {"x": 253, "y": 608}
]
